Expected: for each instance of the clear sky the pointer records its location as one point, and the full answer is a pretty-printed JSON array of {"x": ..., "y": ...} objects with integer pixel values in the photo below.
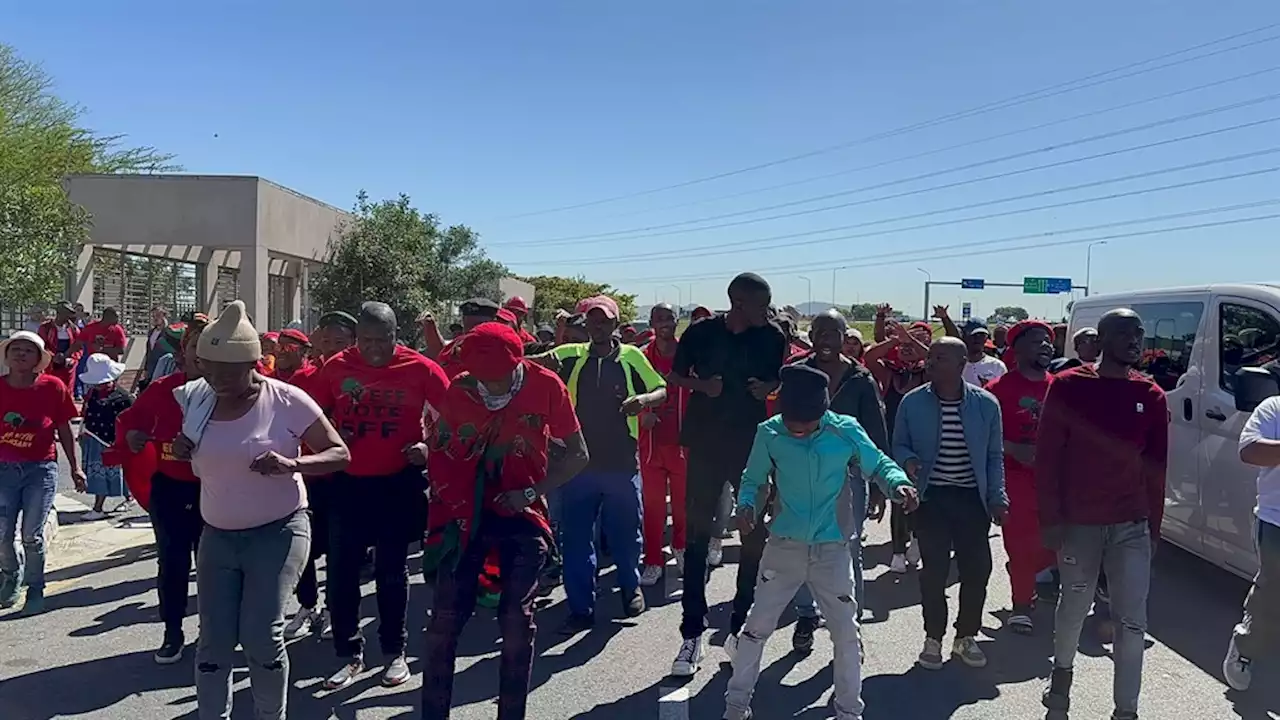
[{"x": 485, "y": 112}]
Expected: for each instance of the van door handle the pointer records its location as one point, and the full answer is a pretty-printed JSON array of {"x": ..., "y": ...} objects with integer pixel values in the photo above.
[
  {"x": 1186, "y": 409},
  {"x": 1214, "y": 415}
]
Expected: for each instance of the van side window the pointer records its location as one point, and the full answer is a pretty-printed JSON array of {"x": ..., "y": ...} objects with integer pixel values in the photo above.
[
  {"x": 1171, "y": 333},
  {"x": 1249, "y": 337}
]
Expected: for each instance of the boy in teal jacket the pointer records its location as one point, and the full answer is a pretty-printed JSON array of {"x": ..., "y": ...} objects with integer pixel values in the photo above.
[{"x": 808, "y": 449}]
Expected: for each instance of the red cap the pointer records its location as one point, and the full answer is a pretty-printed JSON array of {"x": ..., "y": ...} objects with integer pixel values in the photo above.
[
  {"x": 272, "y": 336},
  {"x": 295, "y": 335},
  {"x": 516, "y": 304},
  {"x": 1025, "y": 325},
  {"x": 599, "y": 302},
  {"x": 507, "y": 316},
  {"x": 491, "y": 351}
]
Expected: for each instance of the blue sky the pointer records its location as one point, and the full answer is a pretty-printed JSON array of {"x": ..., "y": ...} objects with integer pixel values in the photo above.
[{"x": 484, "y": 112}]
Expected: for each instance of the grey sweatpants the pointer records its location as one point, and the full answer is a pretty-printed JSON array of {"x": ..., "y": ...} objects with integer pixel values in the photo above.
[
  {"x": 784, "y": 567},
  {"x": 243, "y": 580},
  {"x": 1124, "y": 551}
]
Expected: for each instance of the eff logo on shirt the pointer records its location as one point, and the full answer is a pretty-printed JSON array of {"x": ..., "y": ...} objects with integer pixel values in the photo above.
[{"x": 1139, "y": 408}]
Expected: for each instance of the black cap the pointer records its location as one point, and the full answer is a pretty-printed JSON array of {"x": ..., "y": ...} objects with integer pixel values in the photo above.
[
  {"x": 974, "y": 326},
  {"x": 479, "y": 306},
  {"x": 337, "y": 318},
  {"x": 803, "y": 395}
]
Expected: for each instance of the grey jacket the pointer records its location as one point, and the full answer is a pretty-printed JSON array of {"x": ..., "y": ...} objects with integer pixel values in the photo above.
[{"x": 919, "y": 423}]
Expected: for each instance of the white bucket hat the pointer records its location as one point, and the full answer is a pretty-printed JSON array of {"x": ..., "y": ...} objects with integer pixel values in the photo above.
[
  {"x": 100, "y": 369},
  {"x": 27, "y": 336}
]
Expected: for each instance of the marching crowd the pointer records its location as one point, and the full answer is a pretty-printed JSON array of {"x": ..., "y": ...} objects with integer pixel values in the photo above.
[{"x": 519, "y": 460}]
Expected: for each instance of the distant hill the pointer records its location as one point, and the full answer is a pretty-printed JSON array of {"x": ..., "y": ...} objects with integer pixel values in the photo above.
[{"x": 642, "y": 312}]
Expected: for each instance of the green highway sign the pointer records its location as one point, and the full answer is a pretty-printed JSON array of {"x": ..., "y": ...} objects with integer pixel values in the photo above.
[{"x": 1045, "y": 285}]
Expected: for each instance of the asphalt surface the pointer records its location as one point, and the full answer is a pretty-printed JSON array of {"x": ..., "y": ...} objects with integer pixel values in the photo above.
[{"x": 90, "y": 656}]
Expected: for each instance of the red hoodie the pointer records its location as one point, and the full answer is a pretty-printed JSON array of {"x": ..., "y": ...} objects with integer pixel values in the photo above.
[
  {"x": 156, "y": 412},
  {"x": 1102, "y": 450},
  {"x": 671, "y": 412}
]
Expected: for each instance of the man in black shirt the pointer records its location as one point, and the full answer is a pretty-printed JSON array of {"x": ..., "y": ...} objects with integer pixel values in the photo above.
[{"x": 730, "y": 362}]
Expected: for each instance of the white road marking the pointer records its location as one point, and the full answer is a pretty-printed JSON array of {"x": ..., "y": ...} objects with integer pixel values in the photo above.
[{"x": 673, "y": 703}]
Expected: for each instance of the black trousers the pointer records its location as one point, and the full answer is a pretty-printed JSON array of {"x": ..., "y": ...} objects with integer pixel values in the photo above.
[
  {"x": 901, "y": 527},
  {"x": 710, "y": 465},
  {"x": 387, "y": 512},
  {"x": 308, "y": 590},
  {"x": 953, "y": 518},
  {"x": 175, "y": 518}
]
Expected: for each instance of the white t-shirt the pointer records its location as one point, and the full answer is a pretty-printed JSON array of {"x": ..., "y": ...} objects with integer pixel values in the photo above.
[
  {"x": 984, "y": 371},
  {"x": 1264, "y": 424}
]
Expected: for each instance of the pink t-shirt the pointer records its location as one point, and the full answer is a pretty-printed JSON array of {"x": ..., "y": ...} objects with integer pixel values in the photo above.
[{"x": 233, "y": 497}]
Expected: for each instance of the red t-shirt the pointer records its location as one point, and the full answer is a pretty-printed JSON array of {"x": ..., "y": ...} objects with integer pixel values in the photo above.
[
  {"x": 671, "y": 412},
  {"x": 98, "y": 335},
  {"x": 1020, "y": 402},
  {"x": 29, "y": 419},
  {"x": 156, "y": 412},
  {"x": 379, "y": 410},
  {"x": 506, "y": 449}
]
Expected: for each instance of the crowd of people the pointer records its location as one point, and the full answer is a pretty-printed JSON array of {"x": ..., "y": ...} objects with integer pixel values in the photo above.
[{"x": 521, "y": 459}]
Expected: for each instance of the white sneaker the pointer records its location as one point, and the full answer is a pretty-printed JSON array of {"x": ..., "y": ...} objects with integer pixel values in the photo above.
[
  {"x": 967, "y": 650},
  {"x": 731, "y": 646},
  {"x": 913, "y": 554},
  {"x": 300, "y": 625},
  {"x": 715, "y": 552},
  {"x": 689, "y": 659},
  {"x": 326, "y": 625},
  {"x": 898, "y": 564},
  {"x": 680, "y": 563},
  {"x": 651, "y": 575},
  {"x": 93, "y": 516},
  {"x": 1236, "y": 668}
]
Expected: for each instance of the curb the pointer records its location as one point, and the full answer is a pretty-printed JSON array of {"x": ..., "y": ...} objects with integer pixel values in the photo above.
[{"x": 76, "y": 542}]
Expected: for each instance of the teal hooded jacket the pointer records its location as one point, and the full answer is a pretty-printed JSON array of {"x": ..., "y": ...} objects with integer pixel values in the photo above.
[{"x": 811, "y": 473}]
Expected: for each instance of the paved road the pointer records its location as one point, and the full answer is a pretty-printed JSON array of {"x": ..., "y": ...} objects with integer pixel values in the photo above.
[{"x": 91, "y": 658}]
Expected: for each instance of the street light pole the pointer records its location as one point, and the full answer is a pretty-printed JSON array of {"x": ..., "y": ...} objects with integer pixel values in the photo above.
[
  {"x": 679, "y": 298},
  {"x": 810, "y": 284},
  {"x": 833, "y": 288},
  {"x": 1088, "y": 264},
  {"x": 928, "y": 279}
]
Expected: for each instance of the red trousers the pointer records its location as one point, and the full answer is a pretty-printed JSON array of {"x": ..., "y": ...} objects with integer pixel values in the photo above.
[
  {"x": 1021, "y": 532},
  {"x": 662, "y": 470}
]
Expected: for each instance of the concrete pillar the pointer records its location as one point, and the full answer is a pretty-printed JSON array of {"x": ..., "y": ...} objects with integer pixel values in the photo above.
[
  {"x": 207, "y": 281},
  {"x": 82, "y": 282},
  {"x": 298, "y": 310},
  {"x": 254, "y": 266}
]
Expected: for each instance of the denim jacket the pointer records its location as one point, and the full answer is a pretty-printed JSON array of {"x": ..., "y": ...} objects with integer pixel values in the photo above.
[
  {"x": 919, "y": 423},
  {"x": 812, "y": 476}
]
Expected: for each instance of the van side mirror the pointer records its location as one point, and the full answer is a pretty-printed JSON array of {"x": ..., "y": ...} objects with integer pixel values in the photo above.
[{"x": 1253, "y": 385}]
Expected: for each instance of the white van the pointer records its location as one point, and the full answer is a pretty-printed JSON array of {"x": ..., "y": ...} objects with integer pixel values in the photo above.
[{"x": 1198, "y": 341}]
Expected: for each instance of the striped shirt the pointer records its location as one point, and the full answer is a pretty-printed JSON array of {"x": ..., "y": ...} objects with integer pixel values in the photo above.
[{"x": 952, "y": 466}]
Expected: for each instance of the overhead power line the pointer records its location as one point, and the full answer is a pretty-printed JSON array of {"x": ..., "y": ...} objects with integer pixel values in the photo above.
[
  {"x": 1022, "y": 98},
  {"x": 956, "y": 146},
  {"x": 742, "y": 245},
  {"x": 923, "y": 255},
  {"x": 663, "y": 230}
]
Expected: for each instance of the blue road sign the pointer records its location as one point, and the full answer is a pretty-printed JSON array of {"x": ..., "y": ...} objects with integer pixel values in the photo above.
[
  {"x": 972, "y": 283},
  {"x": 1046, "y": 285},
  {"x": 966, "y": 311},
  {"x": 1058, "y": 285}
]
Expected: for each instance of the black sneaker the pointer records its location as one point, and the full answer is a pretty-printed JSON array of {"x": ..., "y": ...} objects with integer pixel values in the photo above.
[
  {"x": 802, "y": 636},
  {"x": 1057, "y": 696},
  {"x": 575, "y": 624},
  {"x": 170, "y": 651},
  {"x": 633, "y": 604},
  {"x": 1020, "y": 620}
]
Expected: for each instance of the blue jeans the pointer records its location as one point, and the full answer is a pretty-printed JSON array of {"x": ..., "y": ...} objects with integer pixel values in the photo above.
[
  {"x": 80, "y": 367},
  {"x": 804, "y": 604},
  {"x": 613, "y": 500},
  {"x": 26, "y": 489}
]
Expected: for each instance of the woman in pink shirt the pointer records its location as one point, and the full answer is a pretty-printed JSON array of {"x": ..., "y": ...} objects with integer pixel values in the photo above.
[{"x": 244, "y": 434}]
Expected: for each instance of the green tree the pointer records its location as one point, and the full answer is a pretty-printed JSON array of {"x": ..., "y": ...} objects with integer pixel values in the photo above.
[
  {"x": 561, "y": 293},
  {"x": 391, "y": 252},
  {"x": 42, "y": 140},
  {"x": 1010, "y": 312},
  {"x": 863, "y": 312}
]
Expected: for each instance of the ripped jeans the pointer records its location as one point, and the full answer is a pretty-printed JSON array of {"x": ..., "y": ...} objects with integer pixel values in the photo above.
[
  {"x": 243, "y": 580},
  {"x": 1124, "y": 551},
  {"x": 787, "y": 565}
]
